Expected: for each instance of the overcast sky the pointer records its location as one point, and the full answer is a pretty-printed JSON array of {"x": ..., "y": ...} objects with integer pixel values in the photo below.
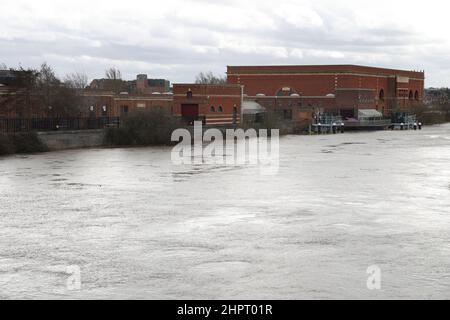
[{"x": 176, "y": 39}]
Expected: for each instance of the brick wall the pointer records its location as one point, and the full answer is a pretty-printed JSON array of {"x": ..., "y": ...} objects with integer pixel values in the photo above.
[
  {"x": 354, "y": 86},
  {"x": 216, "y": 103}
]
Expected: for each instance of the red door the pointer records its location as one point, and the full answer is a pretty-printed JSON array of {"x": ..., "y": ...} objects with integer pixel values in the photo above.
[{"x": 190, "y": 111}]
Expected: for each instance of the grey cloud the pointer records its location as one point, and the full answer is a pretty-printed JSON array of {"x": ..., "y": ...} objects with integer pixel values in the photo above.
[{"x": 176, "y": 47}]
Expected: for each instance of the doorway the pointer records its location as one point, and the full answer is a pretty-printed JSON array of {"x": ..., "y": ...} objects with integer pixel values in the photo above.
[{"x": 190, "y": 113}]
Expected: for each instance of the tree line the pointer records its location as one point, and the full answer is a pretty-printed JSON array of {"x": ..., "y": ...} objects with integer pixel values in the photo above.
[{"x": 41, "y": 91}]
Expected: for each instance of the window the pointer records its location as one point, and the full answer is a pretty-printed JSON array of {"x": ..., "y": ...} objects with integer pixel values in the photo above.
[
  {"x": 285, "y": 92},
  {"x": 410, "y": 95},
  {"x": 381, "y": 95},
  {"x": 124, "y": 109},
  {"x": 212, "y": 109},
  {"x": 220, "y": 109},
  {"x": 189, "y": 94},
  {"x": 417, "y": 96}
]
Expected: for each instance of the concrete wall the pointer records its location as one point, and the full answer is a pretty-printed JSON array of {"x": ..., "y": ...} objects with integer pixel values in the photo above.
[{"x": 61, "y": 140}]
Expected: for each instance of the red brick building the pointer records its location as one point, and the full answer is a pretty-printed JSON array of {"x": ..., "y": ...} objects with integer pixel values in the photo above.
[
  {"x": 339, "y": 89},
  {"x": 215, "y": 104},
  {"x": 98, "y": 104},
  {"x": 290, "y": 91}
]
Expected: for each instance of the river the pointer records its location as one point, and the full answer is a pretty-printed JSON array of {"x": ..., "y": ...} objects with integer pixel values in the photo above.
[{"x": 139, "y": 227}]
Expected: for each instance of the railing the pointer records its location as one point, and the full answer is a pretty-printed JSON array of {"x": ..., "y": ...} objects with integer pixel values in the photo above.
[
  {"x": 57, "y": 124},
  {"x": 327, "y": 119},
  {"x": 368, "y": 123}
]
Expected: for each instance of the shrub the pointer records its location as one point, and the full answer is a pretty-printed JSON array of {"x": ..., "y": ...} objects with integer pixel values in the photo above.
[
  {"x": 146, "y": 127},
  {"x": 118, "y": 137},
  {"x": 6, "y": 145},
  {"x": 27, "y": 143},
  {"x": 21, "y": 143}
]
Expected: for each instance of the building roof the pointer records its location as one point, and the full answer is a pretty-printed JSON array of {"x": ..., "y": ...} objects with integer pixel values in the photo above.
[
  {"x": 292, "y": 69},
  {"x": 252, "y": 107},
  {"x": 369, "y": 113}
]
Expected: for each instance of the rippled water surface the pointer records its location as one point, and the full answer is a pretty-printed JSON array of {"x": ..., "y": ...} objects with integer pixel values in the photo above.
[{"x": 140, "y": 227}]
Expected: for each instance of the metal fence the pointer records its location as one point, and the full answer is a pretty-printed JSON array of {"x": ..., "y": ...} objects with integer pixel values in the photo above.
[
  {"x": 56, "y": 124},
  {"x": 368, "y": 123},
  {"x": 327, "y": 119}
]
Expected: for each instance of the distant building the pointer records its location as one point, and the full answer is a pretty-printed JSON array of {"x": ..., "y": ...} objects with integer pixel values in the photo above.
[
  {"x": 7, "y": 78},
  {"x": 141, "y": 86},
  {"x": 437, "y": 96},
  {"x": 144, "y": 85},
  {"x": 114, "y": 85}
]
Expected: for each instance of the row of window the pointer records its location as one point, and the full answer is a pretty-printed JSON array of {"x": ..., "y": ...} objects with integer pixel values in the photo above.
[
  {"x": 104, "y": 110},
  {"x": 415, "y": 97},
  {"x": 411, "y": 95},
  {"x": 213, "y": 109}
]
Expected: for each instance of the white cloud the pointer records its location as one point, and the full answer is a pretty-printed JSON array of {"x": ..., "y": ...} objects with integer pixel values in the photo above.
[
  {"x": 179, "y": 38},
  {"x": 299, "y": 16}
]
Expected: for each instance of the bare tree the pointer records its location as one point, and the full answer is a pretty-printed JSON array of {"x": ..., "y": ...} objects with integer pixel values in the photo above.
[
  {"x": 113, "y": 74},
  {"x": 19, "y": 99},
  {"x": 57, "y": 99},
  {"x": 114, "y": 81},
  {"x": 3, "y": 66},
  {"x": 40, "y": 92},
  {"x": 76, "y": 80},
  {"x": 209, "y": 78},
  {"x": 66, "y": 102},
  {"x": 46, "y": 83}
]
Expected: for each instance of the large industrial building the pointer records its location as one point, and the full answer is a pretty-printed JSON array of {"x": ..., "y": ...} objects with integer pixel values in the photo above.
[{"x": 338, "y": 89}]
